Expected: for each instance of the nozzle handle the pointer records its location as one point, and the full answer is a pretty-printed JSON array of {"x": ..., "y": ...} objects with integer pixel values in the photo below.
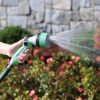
[{"x": 26, "y": 45}]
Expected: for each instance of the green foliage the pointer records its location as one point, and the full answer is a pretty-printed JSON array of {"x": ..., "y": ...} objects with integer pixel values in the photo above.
[
  {"x": 59, "y": 76},
  {"x": 12, "y": 34}
]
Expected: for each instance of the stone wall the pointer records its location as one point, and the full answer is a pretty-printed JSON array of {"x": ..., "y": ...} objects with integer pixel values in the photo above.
[{"x": 49, "y": 15}]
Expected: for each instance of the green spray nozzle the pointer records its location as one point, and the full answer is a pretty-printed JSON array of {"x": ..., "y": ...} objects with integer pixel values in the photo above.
[{"x": 42, "y": 40}]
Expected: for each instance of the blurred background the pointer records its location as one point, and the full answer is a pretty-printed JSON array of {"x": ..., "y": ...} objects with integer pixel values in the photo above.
[{"x": 49, "y": 15}]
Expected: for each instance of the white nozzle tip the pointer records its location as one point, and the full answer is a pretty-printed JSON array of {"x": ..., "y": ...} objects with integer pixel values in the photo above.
[{"x": 33, "y": 39}]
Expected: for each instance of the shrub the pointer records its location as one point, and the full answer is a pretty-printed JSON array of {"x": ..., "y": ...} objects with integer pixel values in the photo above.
[
  {"x": 12, "y": 34},
  {"x": 58, "y": 76}
]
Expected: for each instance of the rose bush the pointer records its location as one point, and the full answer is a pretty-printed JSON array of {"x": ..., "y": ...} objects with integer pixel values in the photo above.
[{"x": 58, "y": 76}]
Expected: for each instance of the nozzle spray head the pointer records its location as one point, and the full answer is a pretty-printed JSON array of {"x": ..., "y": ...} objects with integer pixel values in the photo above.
[{"x": 41, "y": 40}]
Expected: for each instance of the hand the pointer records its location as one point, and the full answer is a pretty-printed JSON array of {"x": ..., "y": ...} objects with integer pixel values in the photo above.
[
  {"x": 12, "y": 49},
  {"x": 22, "y": 57}
]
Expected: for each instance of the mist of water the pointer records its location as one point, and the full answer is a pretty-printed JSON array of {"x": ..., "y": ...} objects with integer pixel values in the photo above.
[{"x": 80, "y": 41}]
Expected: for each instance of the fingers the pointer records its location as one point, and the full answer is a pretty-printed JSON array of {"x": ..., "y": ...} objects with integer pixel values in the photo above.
[
  {"x": 28, "y": 51},
  {"x": 22, "y": 57}
]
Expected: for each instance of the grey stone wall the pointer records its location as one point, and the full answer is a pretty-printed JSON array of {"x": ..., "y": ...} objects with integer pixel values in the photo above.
[{"x": 49, "y": 15}]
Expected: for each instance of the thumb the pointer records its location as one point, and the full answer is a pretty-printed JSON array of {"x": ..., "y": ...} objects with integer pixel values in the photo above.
[
  {"x": 15, "y": 46},
  {"x": 19, "y": 42}
]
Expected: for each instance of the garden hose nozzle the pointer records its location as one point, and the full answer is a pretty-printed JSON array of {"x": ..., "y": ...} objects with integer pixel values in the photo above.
[{"x": 41, "y": 40}]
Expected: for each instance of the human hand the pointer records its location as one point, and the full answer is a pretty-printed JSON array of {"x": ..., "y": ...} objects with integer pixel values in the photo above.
[
  {"x": 22, "y": 57},
  {"x": 12, "y": 49}
]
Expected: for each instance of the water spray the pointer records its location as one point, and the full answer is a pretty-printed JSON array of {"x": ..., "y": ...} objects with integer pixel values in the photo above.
[{"x": 79, "y": 41}]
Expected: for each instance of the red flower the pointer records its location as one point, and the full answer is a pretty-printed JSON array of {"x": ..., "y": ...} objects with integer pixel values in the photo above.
[
  {"x": 80, "y": 89},
  {"x": 36, "y": 51},
  {"x": 49, "y": 60},
  {"x": 32, "y": 92},
  {"x": 70, "y": 63},
  {"x": 77, "y": 59},
  {"x": 61, "y": 68},
  {"x": 42, "y": 58},
  {"x": 63, "y": 65},
  {"x": 35, "y": 97},
  {"x": 30, "y": 61},
  {"x": 73, "y": 57},
  {"x": 79, "y": 98}
]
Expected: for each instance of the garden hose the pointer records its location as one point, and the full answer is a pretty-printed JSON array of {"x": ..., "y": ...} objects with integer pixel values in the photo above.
[{"x": 41, "y": 40}]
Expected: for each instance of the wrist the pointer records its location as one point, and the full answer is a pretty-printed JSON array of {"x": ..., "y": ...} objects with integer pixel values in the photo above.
[{"x": 4, "y": 49}]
